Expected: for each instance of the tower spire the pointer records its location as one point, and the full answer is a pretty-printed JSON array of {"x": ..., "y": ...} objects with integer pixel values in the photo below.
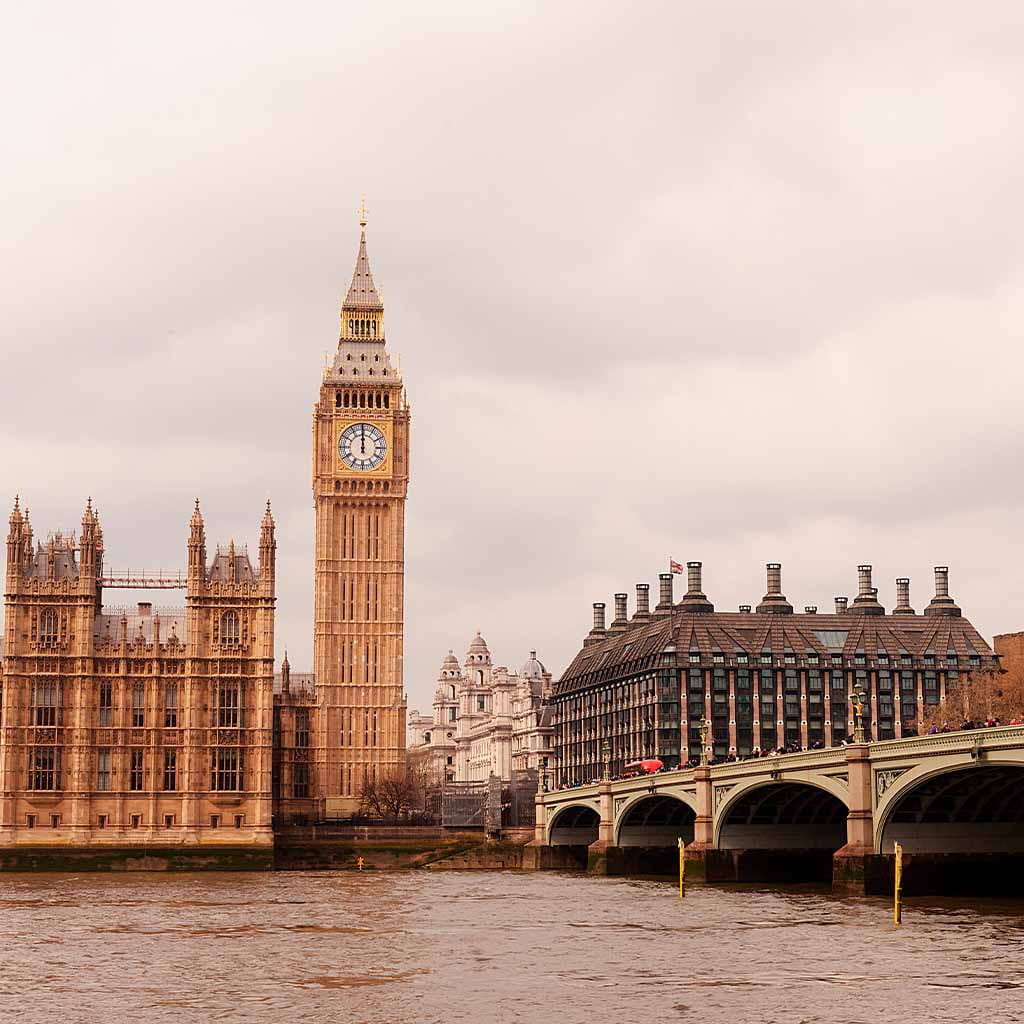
[{"x": 362, "y": 297}]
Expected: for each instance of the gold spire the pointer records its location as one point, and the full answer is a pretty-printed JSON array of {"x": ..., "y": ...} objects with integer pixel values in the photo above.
[{"x": 362, "y": 214}]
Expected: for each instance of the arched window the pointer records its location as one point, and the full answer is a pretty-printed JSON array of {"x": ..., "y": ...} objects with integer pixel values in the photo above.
[
  {"x": 337, "y": 399},
  {"x": 387, "y": 398},
  {"x": 362, "y": 400},
  {"x": 346, "y": 399},
  {"x": 426, "y": 737},
  {"x": 48, "y": 626},
  {"x": 480, "y": 677},
  {"x": 138, "y": 705},
  {"x": 375, "y": 327},
  {"x": 351, "y": 326},
  {"x": 451, "y": 692},
  {"x": 229, "y": 628}
]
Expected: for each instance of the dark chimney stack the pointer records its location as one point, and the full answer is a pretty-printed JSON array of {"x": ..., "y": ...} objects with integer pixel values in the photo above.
[
  {"x": 774, "y": 602},
  {"x": 866, "y": 601},
  {"x": 665, "y": 601},
  {"x": 695, "y": 601},
  {"x": 811, "y": 609},
  {"x": 841, "y": 603},
  {"x": 643, "y": 601},
  {"x": 942, "y": 603},
  {"x": 903, "y": 597},
  {"x": 621, "y": 620}
]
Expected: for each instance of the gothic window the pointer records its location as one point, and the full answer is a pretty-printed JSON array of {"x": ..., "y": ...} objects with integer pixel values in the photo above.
[
  {"x": 138, "y": 705},
  {"x": 302, "y": 727},
  {"x": 354, "y": 371},
  {"x": 46, "y": 704},
  {"x": 426, "y": 737},
  {"x": 229, "y": 628},
  {"x": 136, "y": 775},
  {"x": 103, "y": 770},
  {"x": 226, "y": 769},
  {"x": 170, "y": 771},
  {"x": 375, "y": 327},
  {"x": 171, "y": 706},
  {"x": 300, "y": 779},
  {"x": 387, "y": 398},
  {"x": 106, "y": 704},
  {"x": 48, "y": 626},
  {"x": 351, "y": 327},
  {"x": 44, "y": 768},
  {"x": 347, "y": 399},
  {"x": 227, "y": 706},
  {"x": 371, "y": 371}
]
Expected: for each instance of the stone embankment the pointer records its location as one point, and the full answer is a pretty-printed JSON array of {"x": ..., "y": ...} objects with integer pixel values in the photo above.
[{"x": 308, "y": 849}]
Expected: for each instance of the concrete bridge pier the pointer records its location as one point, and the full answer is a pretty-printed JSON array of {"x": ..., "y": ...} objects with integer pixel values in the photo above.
[
  {"x": 599, "y": 850},
  {"x": 696, "y": 852},
  {"x": 855, "y": 864}
]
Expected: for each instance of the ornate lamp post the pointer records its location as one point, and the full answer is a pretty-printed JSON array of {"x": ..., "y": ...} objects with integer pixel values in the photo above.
[
  {"x": 543, "y": 774},
  {"x": 860, "y": 700},
  {"x": 703, "y": 726},
  {"x": 606, "y": 758}
]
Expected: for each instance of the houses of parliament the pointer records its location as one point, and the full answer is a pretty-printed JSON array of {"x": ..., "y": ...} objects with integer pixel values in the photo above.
[{"x": 122, "y": 726}]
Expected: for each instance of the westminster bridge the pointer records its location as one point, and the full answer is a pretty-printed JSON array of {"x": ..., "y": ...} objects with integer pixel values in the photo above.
[{"x": 954, "y": 801}]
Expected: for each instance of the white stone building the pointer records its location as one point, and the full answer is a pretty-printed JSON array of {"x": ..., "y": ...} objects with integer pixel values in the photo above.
[{"x": 486, "y": 720}]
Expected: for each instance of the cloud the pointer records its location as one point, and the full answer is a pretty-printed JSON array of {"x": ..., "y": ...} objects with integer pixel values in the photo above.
[{"x": 712, "y": 280}]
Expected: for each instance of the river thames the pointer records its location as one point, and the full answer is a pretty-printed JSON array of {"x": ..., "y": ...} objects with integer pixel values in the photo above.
[{"x": 432, "y": 946}]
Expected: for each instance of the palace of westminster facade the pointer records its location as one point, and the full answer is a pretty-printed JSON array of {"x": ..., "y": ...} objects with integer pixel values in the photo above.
[{"x": 126, "y": 727}]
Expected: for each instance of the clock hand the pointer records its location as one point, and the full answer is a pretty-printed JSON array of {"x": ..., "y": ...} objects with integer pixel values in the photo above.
[{"x": 362, "y": 440}]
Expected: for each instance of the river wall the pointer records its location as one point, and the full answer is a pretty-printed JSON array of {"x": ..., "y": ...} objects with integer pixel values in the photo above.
[{"x": 312, "y": 849}]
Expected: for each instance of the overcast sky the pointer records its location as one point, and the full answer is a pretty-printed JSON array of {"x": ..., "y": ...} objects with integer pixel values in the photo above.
[{"x": 730, "y": 281}]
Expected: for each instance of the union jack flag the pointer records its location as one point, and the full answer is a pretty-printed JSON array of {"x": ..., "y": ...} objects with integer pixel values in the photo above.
[{"x": 674, "y": 566}]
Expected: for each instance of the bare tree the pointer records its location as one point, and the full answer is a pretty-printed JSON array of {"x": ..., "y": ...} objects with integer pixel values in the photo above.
[
  {"x": 390, "y": 796},
  {"x": 977, "y": 696}
]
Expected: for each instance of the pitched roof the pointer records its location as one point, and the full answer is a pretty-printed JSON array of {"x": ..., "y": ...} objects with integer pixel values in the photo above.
[
  {"x": 362, "y": 292},
  {"x": 751, "y": 633}
]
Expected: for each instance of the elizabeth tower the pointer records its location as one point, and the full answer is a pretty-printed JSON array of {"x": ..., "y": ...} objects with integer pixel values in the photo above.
[{"x": 360, "y": 482}]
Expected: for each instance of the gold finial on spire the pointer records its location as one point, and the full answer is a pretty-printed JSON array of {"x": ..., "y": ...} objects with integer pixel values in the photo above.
[{"x": 362, "y": 213}]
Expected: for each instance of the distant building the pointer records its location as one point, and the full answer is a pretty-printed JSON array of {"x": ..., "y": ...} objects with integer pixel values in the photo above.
[
  {"x": 124, "y": 726},
  {"x": 759, "y": 678},
  {"x": 486, "y": 720}
]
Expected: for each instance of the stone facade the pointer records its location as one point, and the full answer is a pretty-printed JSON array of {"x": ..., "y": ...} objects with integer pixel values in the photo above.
[
  {"x": 486, "y": 720},
  {"x": 360, "y": 482},
  {"x": 135, "y": 727}
]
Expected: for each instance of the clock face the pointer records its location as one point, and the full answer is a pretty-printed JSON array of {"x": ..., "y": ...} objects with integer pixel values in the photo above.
[{"x": 362, "y": 446}]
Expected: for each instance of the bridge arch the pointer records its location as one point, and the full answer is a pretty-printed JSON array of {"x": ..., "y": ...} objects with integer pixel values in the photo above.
[
  {"x": 785, "y": 813},
  {"x": 574, "y": 824},
  {"x": 964, "y": 806},
  {"x": 656, "y": 819}
]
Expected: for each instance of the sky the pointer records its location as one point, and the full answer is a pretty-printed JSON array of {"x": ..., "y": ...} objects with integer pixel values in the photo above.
[{"x": 723, "y": 281}]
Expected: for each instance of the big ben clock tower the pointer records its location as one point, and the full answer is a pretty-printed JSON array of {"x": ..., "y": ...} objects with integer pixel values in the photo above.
[{"x": 360, "y": 481}]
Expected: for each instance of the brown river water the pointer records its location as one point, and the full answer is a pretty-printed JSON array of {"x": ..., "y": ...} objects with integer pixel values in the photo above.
[{"x": 425, "y": 947}]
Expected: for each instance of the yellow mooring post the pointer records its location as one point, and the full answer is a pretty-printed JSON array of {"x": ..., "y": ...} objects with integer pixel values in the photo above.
[
  {"x": 682, "y": 870},
  {"x": 897, "y": 892}
]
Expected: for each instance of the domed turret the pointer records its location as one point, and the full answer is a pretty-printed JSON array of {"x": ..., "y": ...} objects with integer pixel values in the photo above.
[
  {"x": 478, "y": 653},
  {"x": 532, "y": 668},
  {"x": 450, "y": 668}
]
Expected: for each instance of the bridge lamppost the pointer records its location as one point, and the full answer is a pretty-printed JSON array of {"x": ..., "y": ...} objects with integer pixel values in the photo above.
[
  {"x": 703, "y": 725},
  {"x": 606, "y": 758},
  {"x": 543, "y": 774},
  {"x": 860, "y": 700}
]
